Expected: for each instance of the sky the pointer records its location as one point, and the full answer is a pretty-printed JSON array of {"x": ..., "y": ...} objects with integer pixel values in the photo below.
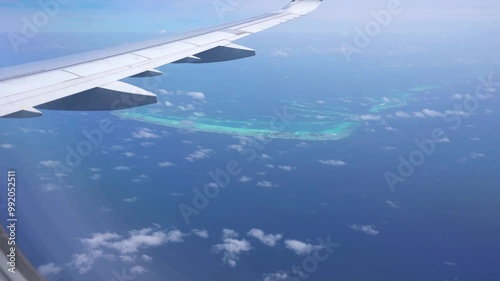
[
  {"x": 158, "y": 15},
  {"x": 436, "y": 26}
]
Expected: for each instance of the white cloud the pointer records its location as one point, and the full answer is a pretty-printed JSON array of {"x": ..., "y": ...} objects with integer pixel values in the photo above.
[
  {"x": 245, "y": 179},
  {"x": 266, "y": 184},
  {"x": 332, "y": 162},
  {"x": 145, "y": 133},
  {"x": 236, "y": 147},
  {"x": 449, "y": 263},
  {"x": 49, "y": 271},
  {"x": 459, "y": 96},
  {"x": 175, "y": 236},
  {"x": 177, "y": 194},
  {"x": 301, "y": 248},
  {"x": 231, "y": 248},
  {"x": 136, "y": 240},
  {"x": 50, "y": 187},
  {"x": 199, "y": 154},
  {"x": 366, "y": 117},
  {"x": 196, "y": 95},
  {"x": 166, "y": 164},
  {"x": 105, "y": 209},
  {"x": 121, "y": 168},
  {"x": 267, "y": 239},
  {"x": 202, "y": 233},
  {"x": 169, "y": 104},
  {"x": 392, "y": 204},
  {"x": 229, "y": 233},
  {"x": 468, "y": 96},
  {"x": 211, "y": 184},
  {"x": 136, "y": 270},
  {"x": 367, "y": 229},
  {"x": 164, "y": 92},
  {"x": 141, "y": 178},
  {"x": 198, "y": 114},
  {"x": 388, "y": 148},
  {"x": 277, "y": 276},
  {"x": 83, "y": 263},
  {"x": 131, "y": 200},
  {"x": 432, "y": 113},
  {"x": 187, "y": 107},
  {"x": 147, "y": 143},
  {"x": 303, "y": 145},
  {"x": 281, "y": 53},
  {"x": 265, "y": 157},
  {"x": 456, "y": 113},
  {"x": 128, "y": 154},
  {"x": 7, "y": 146},
  {"x": 443, "y": 140},
  {"x": 50, "y": 163},
  {"x": 475, "y": 155},
  {"x": 29, "y": 130},
  {"x": 146, "y": 258},
  {"x": 287, "y": 168},
  {"x": 419, "y": 114},
  {"x": 402, "y": 114},
  {"x": 389, "y": 128}
]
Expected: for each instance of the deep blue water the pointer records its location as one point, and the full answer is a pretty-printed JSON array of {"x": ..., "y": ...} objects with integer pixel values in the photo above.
[{"x": 448, "y": 209}]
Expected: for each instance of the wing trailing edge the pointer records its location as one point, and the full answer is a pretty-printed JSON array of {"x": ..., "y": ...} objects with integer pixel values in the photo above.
[
  {"x": 220, "y": 54},
  {"x": 113, "y": 96}
]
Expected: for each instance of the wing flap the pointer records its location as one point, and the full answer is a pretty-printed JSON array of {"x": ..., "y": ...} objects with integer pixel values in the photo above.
[
  {"x": 113, "y": 96},
  {"x": 148, "y": 73},
  {"x": 223, "y": 53}
]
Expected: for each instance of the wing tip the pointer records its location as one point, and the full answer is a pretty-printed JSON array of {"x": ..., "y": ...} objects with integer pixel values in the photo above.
[{"x": 302, "y": 7}]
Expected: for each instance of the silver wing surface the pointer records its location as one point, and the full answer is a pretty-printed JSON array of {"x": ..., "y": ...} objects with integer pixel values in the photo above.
[{"x": 91, "y": 81}]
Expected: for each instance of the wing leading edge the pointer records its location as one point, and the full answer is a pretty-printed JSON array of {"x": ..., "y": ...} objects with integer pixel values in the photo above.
[{"x": 91, "y": 81}]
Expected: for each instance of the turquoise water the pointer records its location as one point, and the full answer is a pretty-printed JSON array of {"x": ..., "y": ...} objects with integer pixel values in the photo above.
[{"x": 311, "y": 121}]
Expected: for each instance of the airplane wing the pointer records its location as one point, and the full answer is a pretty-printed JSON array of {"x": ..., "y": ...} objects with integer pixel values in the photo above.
[
  {"x": 24, "y": 271},
  {"x": 91, "y": 81}
]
